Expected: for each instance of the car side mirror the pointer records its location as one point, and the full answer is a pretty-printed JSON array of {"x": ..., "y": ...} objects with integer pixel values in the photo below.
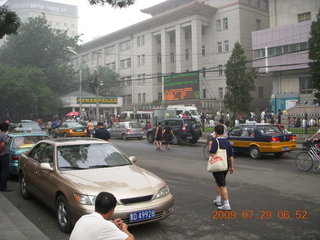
[
  {"x": 46, "y": 166},
  {"x": 133, "y": 159}
]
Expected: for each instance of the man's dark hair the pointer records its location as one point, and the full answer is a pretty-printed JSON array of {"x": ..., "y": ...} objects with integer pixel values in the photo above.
[
  {"x": 100, "y": 124},
  {"x": 219, "y": 129},
  {"x": 167, "y": 123},
  {"x": 105, "y": 202},
  {"x": 4, "y": 127}
]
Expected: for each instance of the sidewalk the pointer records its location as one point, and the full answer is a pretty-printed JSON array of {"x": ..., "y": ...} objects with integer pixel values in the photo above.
[{"x": 14, "y": 225}]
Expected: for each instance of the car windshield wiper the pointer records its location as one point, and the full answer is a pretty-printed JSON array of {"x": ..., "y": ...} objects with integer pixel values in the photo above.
[
  {"x": 70, "y": 167},
  {"x": 100, "y": 166}
]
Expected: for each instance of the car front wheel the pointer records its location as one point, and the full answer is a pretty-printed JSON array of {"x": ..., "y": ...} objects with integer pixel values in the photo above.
[
  {"x": 63, "y": 214},
  {"x": 150, "y": 138},
  {"x": 23, "y": 187},
  {"x": 255, "y": 152}
]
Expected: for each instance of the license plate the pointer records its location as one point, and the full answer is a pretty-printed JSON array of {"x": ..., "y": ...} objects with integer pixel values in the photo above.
[
  {"x": 142, "y": 215},
  {"x": 189, "y": 137},
  {"x": 79, "y": 130},
  {"x": 285, "y": 148}
]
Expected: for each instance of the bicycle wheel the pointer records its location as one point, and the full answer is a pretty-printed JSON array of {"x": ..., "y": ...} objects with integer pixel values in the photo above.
[
  {"x": 304, "y": 161},
  {"x": 206, "y": 151}
]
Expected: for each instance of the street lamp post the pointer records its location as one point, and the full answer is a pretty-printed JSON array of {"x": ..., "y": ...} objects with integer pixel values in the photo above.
[{"x": 80, "y": 73}]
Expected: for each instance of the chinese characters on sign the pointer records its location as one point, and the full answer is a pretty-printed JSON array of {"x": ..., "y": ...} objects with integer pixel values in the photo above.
[{"x": 102, "y": 100}]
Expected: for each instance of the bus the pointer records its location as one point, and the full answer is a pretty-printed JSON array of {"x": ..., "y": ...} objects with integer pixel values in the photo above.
[{"x": 139, "y": 116}]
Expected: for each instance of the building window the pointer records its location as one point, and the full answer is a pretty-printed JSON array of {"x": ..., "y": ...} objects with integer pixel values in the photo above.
[
  {"x": 218, "y": 25},
  {"x": 124, "y": 46},
  {"x": 204, "y": 93},
  {"x": 203, "y": 50},
  {"x": 220, "y": 70},
  {"x": 159, "y": 96},
  {"x": 302, "y": 17},
  {"x": 305, "y": 85},
  {"x": 220, "y": 93},
  {"x": 139, "y": 98},
  {"x": 258, "y": 24},
  {"x": 143, "y": 59},
  {"x": 260, "y": 93},
  {"x": 225, "y": 23},
  {"x": 203, "y": 72},
  {"x": 172, "y": 57},
  {"x": 159, "y": 77},
  {"x": 138, "y": 60},
  {"x": 159, "y": 58},
  {"x": 219, "y": 47},
  {"x": 128, "y": 63},
  {"x": 129, "y": 99},
  {"x": 226, "y": 46},
  {"x": 110, "y": 50},
  {"x": 138, "y": 41},
  {"x": 143, "y": 97},
  {"x": 122, "y": 64},
  {"x": 129, "y": 81},
  {"x": 142, "y": 40},
  {"x": 139, "y": 80},
  {"x": 187, "y": 54},
  {"x": 143, "y": 79}
]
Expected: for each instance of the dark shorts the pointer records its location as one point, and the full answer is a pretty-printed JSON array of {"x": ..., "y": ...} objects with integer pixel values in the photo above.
[
  {"x": 168, "y": 139},
  {"x": 159, "y": 138},
  {"x": 220, "y": 178}
]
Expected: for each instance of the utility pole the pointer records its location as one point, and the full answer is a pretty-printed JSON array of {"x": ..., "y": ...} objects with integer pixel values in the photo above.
[{"x": 97, "y": 83}]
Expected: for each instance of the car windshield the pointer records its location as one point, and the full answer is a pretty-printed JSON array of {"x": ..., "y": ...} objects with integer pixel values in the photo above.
[
  {"x": 269, "y": 129},
  {"x": 74, "y": 124},
  {"x": 89, "y": 156},
  {"x": 190, "y": 121},
  {"x": 194, "y": 112},
  {"x": 135, "y": 125},
  {"x": 26, "y": 141},
  {"x": 33, "y": 126}
]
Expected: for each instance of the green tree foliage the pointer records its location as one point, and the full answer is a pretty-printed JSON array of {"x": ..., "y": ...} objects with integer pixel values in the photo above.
[
  {"x": 9, "y": 22},
  {"x": 26, "y": 94},
  {"x": 314, "y": 56},
  {"x": 113, "y": 3},
  {"x": 240, "y": 82},
  {"x": 109, "y": 81},
  {"x": 39, "y": 45}
]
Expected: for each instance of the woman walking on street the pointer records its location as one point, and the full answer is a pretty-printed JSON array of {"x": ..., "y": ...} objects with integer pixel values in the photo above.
[
  {"x": 168, "y": 134},
  {"x": 158, "y": 137},
  {"x": 220, "y": 177}
]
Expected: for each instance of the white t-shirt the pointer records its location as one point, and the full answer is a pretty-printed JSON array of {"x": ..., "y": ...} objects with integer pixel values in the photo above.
[{"x": 93, "y": 226}]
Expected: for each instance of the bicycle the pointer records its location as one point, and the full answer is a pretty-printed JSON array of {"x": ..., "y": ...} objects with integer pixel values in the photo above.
[{"x": 307, "y": 159}]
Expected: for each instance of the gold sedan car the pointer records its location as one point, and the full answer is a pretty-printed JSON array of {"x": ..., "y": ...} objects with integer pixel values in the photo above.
[
  {"x": 68, "y": 174},
  {"x": 70, "y": 129}
]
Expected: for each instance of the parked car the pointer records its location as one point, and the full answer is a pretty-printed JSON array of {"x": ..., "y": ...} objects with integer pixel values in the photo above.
[
  {"x": 261, "y": 138},
  {"x": 68, "y": 174},
  {"x": 19, "y": 143},
  {"x": 127, "y": 130},
  {"x": 26, "y": 126},
  {"x": 70, "y": 129},
  {"x": 184, "y": 129}
]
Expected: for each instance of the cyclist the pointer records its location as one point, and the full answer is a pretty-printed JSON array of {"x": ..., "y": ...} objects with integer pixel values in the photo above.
[{"x": 317, "y": 142}]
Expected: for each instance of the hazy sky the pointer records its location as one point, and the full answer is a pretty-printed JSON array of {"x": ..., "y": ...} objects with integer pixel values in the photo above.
[{"x": 95, "y": 21}]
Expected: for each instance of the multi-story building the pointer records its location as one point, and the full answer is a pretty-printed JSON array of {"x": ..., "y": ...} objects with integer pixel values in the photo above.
[
  {"x": 59, "y": 16},
  {"x": 281, "y": 52},
  {"x": 156, "y": 58}
]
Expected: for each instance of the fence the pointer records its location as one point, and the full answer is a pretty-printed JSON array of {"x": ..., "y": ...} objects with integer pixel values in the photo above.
[{"x": 299, "y": 123}]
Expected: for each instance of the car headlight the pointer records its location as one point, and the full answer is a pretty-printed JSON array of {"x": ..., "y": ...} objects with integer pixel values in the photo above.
[
  {"x": 163, "y": 192},
  {"x": 84, "y": 199}
]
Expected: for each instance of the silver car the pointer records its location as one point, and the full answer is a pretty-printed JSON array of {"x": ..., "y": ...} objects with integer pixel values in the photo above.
[
  {"x": 67, "y": 175},
  {"x": 127, "y": 130}
]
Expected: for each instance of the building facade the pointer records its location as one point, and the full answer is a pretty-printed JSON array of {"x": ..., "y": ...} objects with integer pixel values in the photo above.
[
  {"x": 281, "y": 52},
  {"x": 59, "y": 16},
  {"x": 180, "y": 38}
]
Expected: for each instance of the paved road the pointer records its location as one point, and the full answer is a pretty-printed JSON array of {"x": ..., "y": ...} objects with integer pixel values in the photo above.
[{"x": 271, "y": 199}]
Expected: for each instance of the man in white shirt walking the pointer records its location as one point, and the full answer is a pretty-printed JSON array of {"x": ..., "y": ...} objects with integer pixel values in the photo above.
[{"x": 97, "y": 226}]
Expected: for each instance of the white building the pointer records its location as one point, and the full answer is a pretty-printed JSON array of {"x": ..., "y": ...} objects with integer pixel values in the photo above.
[
  {"x": 281, "y": 52},
  {"x": 59, "y": 16},
  {"x": 181, "y": 36}
]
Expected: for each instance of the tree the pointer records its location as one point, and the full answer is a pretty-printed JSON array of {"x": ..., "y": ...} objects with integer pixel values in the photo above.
[
  {"x": 314, "y": 56},
  {"x": 108, "y": 79},
  {"x": 113, "y": 3},
  {"x": 9, "y": 22},
  {"x": 26, "y": 94},
  {"x": 37, "y": 44},
  {"x": 240, "y": 82}
]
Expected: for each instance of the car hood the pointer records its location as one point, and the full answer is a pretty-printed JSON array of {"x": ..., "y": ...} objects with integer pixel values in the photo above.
[{"x": 124, "y": 181}]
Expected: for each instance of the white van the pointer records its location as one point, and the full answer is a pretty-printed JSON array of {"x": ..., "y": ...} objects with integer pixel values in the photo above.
[
  {"x": 181, "y": 109},
  {"x": 138, "y": 116}
]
